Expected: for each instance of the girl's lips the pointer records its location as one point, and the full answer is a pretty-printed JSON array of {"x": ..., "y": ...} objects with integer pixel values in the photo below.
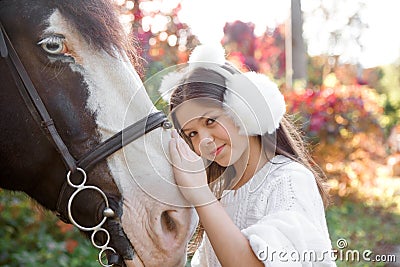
[{"x": 218, "y": 150}]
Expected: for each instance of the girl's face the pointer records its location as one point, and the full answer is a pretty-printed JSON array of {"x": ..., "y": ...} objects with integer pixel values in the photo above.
[{"x": 213, "y": 134}]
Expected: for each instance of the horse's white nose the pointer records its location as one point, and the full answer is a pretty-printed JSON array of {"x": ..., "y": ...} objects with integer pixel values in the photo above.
[
  {"x": 174, "y": 225},
  {"x": 176, "y": 229}
]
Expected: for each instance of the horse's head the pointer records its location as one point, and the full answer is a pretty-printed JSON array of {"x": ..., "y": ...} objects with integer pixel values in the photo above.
[{"x": 76, "y": 55}]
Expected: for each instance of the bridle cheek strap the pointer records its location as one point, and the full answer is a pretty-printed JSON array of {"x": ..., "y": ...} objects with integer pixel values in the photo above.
[
  {"x": 3, "y": 46},
  {"x": 32, "y": 99}
]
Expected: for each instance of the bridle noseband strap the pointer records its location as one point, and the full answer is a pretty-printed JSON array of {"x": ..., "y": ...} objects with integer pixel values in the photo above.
[{"x": 124, "y": 137}]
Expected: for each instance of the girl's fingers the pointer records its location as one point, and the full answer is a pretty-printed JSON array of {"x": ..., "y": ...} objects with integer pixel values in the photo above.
[
  {"x": 186, "y": 151},
  {"x": 180, "y": 151},
  {"x": 180, "y": 144},
  {"x": 182, "y": 147},
  {"x": 174, "y": 134},
  {"x": 173, "y": 150}
]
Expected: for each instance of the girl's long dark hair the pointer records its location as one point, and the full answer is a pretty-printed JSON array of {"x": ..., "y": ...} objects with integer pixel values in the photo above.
[{"x": 287, "y": 140}]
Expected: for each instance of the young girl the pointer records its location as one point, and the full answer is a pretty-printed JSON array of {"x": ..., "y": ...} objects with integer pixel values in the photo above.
[{"x": 240, "y": 162}]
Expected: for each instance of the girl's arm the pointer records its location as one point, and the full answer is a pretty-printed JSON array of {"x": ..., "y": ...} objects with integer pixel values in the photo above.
[{"x": 230, "y": 245}]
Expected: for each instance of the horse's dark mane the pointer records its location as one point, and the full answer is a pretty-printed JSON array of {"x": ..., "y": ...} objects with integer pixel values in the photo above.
[{"x": 98, "y": 22}]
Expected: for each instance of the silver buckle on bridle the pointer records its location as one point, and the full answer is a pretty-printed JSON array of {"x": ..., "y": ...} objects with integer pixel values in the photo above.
[{"x": 108, "y": 212}]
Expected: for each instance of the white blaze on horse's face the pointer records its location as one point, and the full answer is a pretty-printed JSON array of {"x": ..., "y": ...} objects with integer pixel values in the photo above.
[{"x": 152, "y": 217}]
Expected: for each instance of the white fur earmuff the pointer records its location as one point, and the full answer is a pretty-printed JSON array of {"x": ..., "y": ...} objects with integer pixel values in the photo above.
[
  {"x": 169, "y": 83},
  {"x": 210, "y": 53},
  {"x": 255, "y": 103},
  {"x": 252, "y": 100}
]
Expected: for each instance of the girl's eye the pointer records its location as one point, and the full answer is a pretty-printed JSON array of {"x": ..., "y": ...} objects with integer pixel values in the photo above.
[
  {"x": 210, "y": 121},
  {"x": 192, "y": 134},
  {"x": 54, "y": 45}
]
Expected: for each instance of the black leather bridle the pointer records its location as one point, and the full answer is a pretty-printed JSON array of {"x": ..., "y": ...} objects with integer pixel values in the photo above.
[{"x": 39, "y": 112}]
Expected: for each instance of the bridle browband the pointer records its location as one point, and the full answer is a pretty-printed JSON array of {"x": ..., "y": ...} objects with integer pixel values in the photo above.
[{"x": 39, "y": 112}]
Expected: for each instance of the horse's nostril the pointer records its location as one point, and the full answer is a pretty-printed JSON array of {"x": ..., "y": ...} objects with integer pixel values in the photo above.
[{"x": 167, "y": 223}]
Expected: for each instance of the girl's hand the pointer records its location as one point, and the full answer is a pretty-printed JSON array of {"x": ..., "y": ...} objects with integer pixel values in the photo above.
[{"x": 189, "y": 172}]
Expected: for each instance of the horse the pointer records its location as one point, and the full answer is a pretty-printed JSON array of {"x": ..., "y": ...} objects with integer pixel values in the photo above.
[{"x": 80, "y": 135}]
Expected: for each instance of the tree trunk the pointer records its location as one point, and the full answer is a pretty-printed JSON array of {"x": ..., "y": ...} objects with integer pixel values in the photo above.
[{"x": 299, "y": 58}]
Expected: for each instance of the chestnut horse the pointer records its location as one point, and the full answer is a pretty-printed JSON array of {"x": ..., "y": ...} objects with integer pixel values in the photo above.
[{"x": 69, "y": 91}]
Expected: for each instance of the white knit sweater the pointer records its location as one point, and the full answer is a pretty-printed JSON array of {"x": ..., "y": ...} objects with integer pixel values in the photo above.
[{"x": 281, "y": 213}]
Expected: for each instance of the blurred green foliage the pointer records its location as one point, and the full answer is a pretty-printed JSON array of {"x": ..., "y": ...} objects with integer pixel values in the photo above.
[
  {"x": 364, "y": 227},
  {"x": 31, "y": 237},
  {"x": 390, "y": 84}
]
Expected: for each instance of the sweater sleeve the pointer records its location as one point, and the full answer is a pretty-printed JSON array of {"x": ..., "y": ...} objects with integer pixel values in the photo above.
[
  {"x": 198, "y": 259},
  {"x": 292, "y": 231}
]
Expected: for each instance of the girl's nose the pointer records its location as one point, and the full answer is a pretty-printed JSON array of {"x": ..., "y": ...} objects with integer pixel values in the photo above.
[
  {"x": 207, "y": 144},
  {"x": 206, "y": 138}
]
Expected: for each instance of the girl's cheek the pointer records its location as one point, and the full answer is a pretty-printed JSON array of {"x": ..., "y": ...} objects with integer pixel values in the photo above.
[
  {"x": 196, "y": 147},
  {"x": 223, "y": 132}
]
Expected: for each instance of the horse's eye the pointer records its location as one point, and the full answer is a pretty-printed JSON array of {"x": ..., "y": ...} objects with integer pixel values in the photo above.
[{"x": 54, "y": 45}]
